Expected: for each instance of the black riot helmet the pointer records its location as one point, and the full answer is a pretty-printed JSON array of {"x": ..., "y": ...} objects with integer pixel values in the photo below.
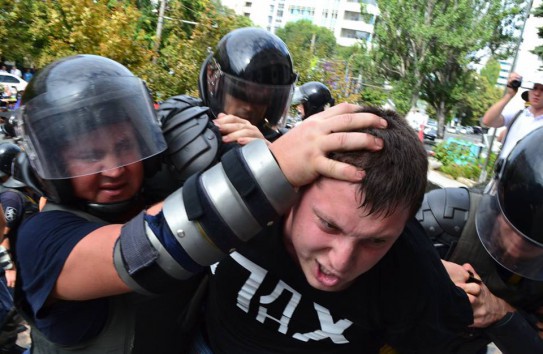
[
  {"x": 7, "y": 127},
  {"x": 250, "y": 75},
  {"x": 78, "y": 95},
  {"x": 510, "y": 216},
  {"x": 314, "y": 96},
  {"x": 8, "y": 152}
]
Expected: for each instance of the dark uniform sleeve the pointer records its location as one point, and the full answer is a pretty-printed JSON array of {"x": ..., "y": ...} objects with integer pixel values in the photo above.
[
  {"x": 432, "y": 312},
  {"x": 13, "y": 207},
  {"x": 44, "y": 242}
]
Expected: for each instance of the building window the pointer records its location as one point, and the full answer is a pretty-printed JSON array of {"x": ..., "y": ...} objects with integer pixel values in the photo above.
[
  {"x": 248, "y": 4},
  {"x": 349, "y": 33},
  {"x": 302, "y": 11},
  {"x": 352, "y": 16}
]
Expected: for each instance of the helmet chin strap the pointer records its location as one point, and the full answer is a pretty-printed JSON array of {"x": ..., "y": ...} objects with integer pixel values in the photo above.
[{"x": 115, "y": 212}]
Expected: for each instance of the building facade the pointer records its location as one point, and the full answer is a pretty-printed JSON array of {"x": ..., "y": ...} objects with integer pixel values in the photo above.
[{"x": 342, "y": 17}]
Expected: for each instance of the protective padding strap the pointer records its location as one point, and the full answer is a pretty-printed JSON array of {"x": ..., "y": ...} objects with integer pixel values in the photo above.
[
  {"x": 269, "y": 176},
  {"x": 228, "y": 203},
  {"x": 142, "y": 262},
  {"x": 242, "y": 179},
  {"x": 123, "y": 273},
  {"x": 200, "y": 248},
  {"x": 136, "y": 248},
  {"x": 165, "y": 260},
  {"x": 206, "y": 218}
]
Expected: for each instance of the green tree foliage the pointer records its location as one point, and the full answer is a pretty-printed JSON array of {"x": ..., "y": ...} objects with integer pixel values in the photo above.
[
  {"x": 372, "y": 97},
  {"x": 479, "y": 93},
  {"x": 124, "y": 30},
  {"x": 491, "y": 70},
  {"x": 60, "y": 28},
  {"x": 186, "y": 46},
  {"x": 425, "y": 47},
  {"x": 307, "y": 43},
  {"x": 476, "y": 97}
]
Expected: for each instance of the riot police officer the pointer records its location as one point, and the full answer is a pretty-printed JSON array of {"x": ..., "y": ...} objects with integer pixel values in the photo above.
[
  {"x": 17, "y": 199},
  {"x": 247, "y": 82},
  {"x": 496, "y": 238},
  {"x": 311, "y": 98},
  {"x": 90, "y": 259}
]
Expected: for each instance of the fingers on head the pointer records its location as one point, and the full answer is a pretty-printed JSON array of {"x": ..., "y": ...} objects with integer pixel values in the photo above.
[
  {"x": 339, "y": 170},
  {"x": 354, "y": 121},
  {"x": 343, "y": 141}
]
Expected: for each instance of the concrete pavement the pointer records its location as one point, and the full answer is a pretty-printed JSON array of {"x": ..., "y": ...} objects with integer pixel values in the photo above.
[{"x": 441, "y": 181}]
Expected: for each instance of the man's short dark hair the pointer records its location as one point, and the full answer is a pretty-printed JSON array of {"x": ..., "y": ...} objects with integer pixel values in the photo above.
[{"x": 396, "y": 176}]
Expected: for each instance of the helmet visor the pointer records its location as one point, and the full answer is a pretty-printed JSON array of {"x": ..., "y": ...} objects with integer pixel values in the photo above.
[
  {"x": 252, "y": 101},
  {"x": 508, "y": 246},
  {"x": 112, "y": 125},
  {"x": 298, "y": 97}
]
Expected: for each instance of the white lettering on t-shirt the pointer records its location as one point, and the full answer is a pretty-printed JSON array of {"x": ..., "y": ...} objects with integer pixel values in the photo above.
[
  {"x": 287, "y": 312},
  {"x": 328, "y": 328},
  {"x": 252, "y": 284}
]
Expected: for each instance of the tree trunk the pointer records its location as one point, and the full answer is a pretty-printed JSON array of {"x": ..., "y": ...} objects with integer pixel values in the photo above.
[{"x": 440, "y": 112}]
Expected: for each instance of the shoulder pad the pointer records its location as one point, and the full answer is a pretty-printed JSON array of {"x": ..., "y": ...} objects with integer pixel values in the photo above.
[
  {"x": 443, "y": 214},
  {"x": 176, "y": 104},
  {"x": 193, "y": 140}
]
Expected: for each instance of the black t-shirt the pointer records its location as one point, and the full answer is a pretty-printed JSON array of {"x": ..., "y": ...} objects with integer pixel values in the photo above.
[{"x": 260, "y": 302}]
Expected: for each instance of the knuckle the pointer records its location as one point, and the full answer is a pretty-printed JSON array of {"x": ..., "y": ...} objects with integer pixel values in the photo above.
[
  {"x": 348, "y": 119},
  {"x": 342, "y": 139},
  {"x": 331, "y": 167}
]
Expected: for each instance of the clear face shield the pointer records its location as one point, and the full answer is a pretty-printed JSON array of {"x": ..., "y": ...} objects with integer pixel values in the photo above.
[
  {"x": 507, "y": 245},
  {"x": 298, "y": 97},
  {"x": 260, "y": 104},
  {"x": 73, "y": 135}
]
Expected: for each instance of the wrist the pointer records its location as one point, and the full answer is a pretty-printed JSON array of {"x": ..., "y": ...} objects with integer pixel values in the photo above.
[{"x": 506, "y": 312}]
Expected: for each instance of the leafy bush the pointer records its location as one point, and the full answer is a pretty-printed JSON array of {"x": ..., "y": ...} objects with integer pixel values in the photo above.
[{"x": 458, "y": 160}]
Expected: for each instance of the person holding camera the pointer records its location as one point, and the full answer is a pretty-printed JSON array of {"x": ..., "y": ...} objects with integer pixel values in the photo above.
[
  {"x": 518, "y": 123},
  {"x": 101, "y": 269}
]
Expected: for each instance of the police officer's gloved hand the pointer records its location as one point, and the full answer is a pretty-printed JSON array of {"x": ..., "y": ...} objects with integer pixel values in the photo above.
[{"x": 194, "y": 142}]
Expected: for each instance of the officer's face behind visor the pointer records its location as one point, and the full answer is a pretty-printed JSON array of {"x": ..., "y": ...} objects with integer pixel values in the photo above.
[
  {"x": 508, "y": 246},
  {"x": 252, "y": 101},
  {"x": 114, "y": 127}
]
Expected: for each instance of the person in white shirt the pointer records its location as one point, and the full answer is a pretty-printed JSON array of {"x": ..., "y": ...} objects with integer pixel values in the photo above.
[
  {"x": 518, "y": 123},
  {"x": 16, "y": 72}
]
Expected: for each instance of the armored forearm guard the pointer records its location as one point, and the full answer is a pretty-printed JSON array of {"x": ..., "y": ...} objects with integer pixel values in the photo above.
[{"x": 209, "y": 217}]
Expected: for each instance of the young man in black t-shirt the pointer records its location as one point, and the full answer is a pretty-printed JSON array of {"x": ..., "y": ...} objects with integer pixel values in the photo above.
[{"x": 347, "y": 270}]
